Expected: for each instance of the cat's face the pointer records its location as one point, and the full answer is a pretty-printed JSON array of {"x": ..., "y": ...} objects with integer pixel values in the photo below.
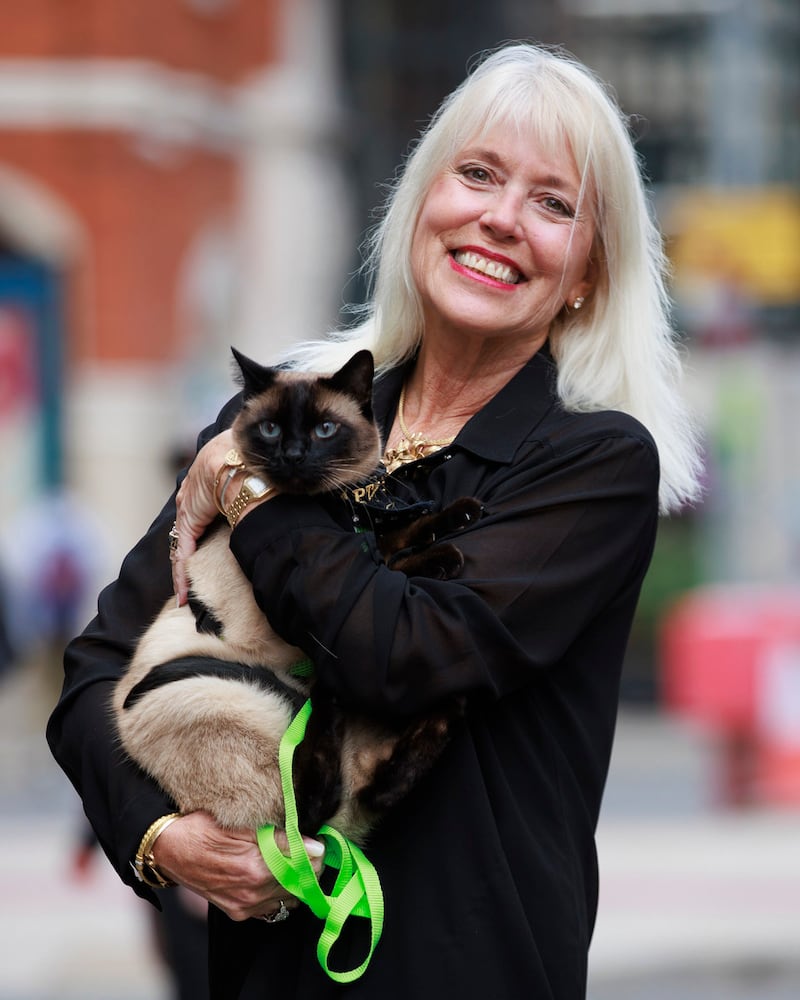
[{"x": 308, "y": 433}]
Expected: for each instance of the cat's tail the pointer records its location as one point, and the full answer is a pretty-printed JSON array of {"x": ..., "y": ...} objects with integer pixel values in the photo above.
[{"x": 184, "y": 667}]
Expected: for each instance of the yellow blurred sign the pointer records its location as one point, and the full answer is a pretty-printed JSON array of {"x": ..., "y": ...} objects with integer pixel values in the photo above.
[{"x": 749, "y": 237}]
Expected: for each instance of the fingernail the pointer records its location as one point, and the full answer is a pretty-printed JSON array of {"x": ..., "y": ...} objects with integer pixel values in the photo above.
[{"x": 313, "y": 848}]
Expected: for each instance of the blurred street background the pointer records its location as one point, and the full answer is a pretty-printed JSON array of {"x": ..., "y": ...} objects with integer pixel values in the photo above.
[{"x": 177, "y": 176}]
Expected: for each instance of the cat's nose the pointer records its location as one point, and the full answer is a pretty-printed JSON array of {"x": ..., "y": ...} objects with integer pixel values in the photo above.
[{"x": 294, "y": 453}]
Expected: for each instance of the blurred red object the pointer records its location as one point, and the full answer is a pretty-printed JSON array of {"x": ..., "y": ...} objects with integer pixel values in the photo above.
[{"x": 730, "y": 657}]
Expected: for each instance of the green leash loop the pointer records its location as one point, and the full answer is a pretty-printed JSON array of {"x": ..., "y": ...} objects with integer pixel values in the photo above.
[{"x": 357, "y": 889}]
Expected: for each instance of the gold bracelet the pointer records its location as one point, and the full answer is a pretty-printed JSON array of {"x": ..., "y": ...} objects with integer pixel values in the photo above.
[
  {"x": 219, "y": 498},
  {"x": 144, "y": 864},
  {"x": 253, "y": 488},
  {"x": 234, "y": 463}
]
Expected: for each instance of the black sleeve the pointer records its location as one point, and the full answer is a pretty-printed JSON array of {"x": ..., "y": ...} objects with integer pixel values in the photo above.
[
  {"x": 568, "y": 531},
  {"x": 119, "y": 800}
]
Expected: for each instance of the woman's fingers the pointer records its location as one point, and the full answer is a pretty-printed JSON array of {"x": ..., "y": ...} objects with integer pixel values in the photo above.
[
  {"x": 196, "y": 508},
  {"x": 226, "y": 867},
  {"x": 223, "y": 866}
]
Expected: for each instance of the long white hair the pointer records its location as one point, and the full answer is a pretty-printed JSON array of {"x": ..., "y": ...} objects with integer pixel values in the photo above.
[{"x": 619, "y": 351}]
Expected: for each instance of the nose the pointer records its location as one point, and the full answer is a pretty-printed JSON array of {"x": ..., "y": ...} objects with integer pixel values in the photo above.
[
  {"x": 502, "y": 215},
  {"x": 294, "y": 452}
]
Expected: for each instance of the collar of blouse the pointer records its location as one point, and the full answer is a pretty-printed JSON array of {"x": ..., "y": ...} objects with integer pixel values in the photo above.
[{"x": 497, "y": 431}]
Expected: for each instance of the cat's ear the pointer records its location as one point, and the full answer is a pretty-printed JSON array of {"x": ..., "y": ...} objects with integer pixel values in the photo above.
[
  {"x": 355, "y": 378},
  {"x": 252, "y": 376}
]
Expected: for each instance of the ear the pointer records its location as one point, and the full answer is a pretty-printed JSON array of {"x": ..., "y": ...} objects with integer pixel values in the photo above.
[
  {"x": 252, "y": 376},
  {"x": 355, "y": 378},
  {"x": 583, "y": 289}
]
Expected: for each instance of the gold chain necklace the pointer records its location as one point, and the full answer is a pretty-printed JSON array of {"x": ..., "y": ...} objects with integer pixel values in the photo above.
[{"x": 411, "y": 446}]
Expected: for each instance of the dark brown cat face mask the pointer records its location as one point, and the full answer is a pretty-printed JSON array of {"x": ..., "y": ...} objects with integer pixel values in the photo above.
[{"x": 308, "y": 433}]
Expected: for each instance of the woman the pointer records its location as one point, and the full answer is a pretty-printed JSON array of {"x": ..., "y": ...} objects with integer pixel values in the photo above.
[{"x": 524, "y": 357}]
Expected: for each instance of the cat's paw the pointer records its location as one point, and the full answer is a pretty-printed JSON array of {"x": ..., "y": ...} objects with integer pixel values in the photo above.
[
  {"x": 460, "y": 514},
  {"x": 438, "y": 562}
]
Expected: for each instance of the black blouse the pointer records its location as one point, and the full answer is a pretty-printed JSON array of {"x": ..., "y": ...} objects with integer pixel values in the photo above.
[{"x": 488, "y": 868}]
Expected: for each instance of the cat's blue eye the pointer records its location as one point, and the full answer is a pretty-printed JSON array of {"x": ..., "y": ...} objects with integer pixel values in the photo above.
[
  {"x": 326, "y": 429},
  {"x": 269, "y": 431}
]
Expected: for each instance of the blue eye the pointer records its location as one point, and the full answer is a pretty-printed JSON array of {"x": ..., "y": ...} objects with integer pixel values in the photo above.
[
  {"x": 326, "y": 429},
  {"x": 269, "y": 431}
]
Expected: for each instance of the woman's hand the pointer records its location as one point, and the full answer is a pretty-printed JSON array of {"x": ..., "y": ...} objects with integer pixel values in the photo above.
[
  {"x": 196, "y": 507},
  {"x": 225, "y": 866}
]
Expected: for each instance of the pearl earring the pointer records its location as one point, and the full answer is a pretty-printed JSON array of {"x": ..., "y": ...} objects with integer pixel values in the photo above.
[{"x": 578, "y": 302}]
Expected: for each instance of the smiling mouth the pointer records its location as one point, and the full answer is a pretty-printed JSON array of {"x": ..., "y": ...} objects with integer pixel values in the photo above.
[{"x": 503, "y": 273}]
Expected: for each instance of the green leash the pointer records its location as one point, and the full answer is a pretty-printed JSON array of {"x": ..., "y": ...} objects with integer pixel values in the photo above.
[{"x": 357, "y": 890}]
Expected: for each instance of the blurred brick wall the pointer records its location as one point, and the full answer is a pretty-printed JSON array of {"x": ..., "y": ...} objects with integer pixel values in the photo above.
[
  {"x": 140, "y": 199},
  {"x": 232, "y": 38}
]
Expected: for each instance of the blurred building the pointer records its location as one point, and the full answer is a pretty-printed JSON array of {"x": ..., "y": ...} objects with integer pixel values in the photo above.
[
  {"x": 714, "y": 87},
  {"x": 167, "y": 187}
]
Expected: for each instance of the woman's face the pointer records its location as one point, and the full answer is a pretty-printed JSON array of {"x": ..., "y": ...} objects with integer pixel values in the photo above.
[{"x": 499, "y": 247}]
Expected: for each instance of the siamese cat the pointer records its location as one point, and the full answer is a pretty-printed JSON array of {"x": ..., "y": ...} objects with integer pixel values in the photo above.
[{"x": 211, "y": 687}]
